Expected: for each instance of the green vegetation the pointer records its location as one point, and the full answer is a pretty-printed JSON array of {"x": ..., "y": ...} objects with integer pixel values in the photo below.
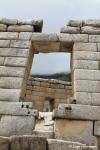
[{"x": 58, "y": 76}]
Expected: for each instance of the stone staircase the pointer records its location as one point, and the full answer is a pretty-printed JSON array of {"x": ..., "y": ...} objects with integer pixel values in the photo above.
[{"x": 44, "y": 125}]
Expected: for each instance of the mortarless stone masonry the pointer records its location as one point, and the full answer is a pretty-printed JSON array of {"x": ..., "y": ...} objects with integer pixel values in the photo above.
[
  {"x": 38, "y": 90},
  {"x": 76, "y": 123}
]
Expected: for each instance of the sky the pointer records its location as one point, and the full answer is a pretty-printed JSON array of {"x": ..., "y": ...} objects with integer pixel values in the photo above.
[{"x": 55, "y": 14}]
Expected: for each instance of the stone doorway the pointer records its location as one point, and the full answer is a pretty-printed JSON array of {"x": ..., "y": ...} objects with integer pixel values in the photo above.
[{"x": 42, "y": 45}]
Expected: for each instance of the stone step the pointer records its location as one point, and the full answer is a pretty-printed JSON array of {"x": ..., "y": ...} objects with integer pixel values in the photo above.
[
  {"x": 54, "y": 144},
  {"x": 46, "y": 134}
]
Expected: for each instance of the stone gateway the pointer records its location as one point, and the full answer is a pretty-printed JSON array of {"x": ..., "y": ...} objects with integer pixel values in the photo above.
[{"x": 71, "y": 117}]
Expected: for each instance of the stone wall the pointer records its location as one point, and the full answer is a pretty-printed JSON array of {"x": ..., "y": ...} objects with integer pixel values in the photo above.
[
  {"x": 40, "y": 90},
  {"x": 78, "y": 121},
  {"x": 15, "y": 57},
  {"x": 40, "y": 143},
  {"x": 15, "y": 63}
]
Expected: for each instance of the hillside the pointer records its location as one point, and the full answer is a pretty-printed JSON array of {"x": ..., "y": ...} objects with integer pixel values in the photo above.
[{"x": 58, "y": 76}]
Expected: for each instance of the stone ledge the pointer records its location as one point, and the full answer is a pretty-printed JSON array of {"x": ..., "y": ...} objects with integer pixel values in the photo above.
[
  {"x": 55, "y": 144},
  {"x": 77, "y": 112},
  {"x": 17, "y": 109}
]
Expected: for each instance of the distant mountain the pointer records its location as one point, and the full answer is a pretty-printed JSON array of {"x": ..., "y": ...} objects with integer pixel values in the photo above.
[{"x": 59, "y": 76}]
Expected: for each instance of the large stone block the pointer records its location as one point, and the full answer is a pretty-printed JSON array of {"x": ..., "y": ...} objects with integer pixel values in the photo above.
[
  {"x": 11, "y": 82},
  {"x": 11, "y": 71},
  {"x": 20, "y": 44},
  {"x": 3, "y": 27},
  {"x": 2, "y": 59},
  {"x": 93, "y": 22},
  {"x": 74, "y": 130},
  {"x": 11, "y": 95},
  {"x": 75, "y": 23},
  {"x": 86, "y": 86},
  {"x": 86, "y": 55},
  {"x": 46, "y": 47},
  {"x": 17, "y": 52},
  {"x": 55, "y": 144},
  {"x": 94, "y": 38},
  {"x": 73, "y": 37},
  {"x": 17, "y": 109},
  {"x": 69, "y": 29},
  {"x": 28, "y": 143},
  {"x": 97, "y": 128},
  {"x": 8, "y": 21},
  {"x": 4, "y": 143},
  {"x": 8, "y": 35},
  {"x": 44, "y": 37},
  {"x": 87, "y": 98},
  {"x": 15, "y": 61},
  {"x": 90, "y": 30},
  {"x": 16, "y": 125},
  {"x": 4, "y": 43},
  {"x": 25, "y": 35},
  {"x": 73, "y": 111},
  {"x": 86, "y": 64},
  {"x": 20, "y": 28},
  {"x": 85, "y": 47},
  {"x": 84, "y": 74}
]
